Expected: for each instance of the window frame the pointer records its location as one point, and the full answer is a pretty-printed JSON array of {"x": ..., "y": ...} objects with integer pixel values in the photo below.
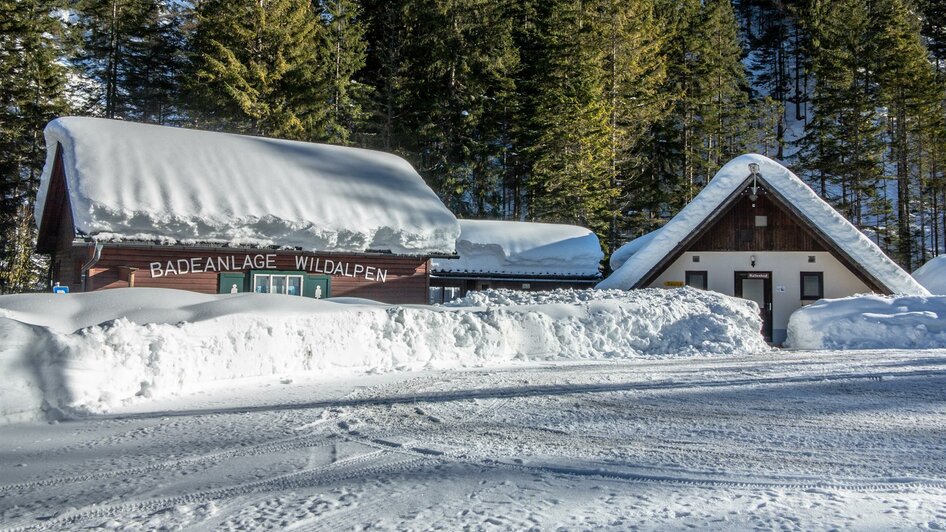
[
  {"x": 285, "y": 275},
  {"x": 801, "y": 286},
  {"x": 704, "y": 273}
]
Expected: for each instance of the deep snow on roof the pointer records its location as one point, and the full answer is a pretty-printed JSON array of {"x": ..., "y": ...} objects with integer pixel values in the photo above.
[
  {"x": 932, "y": 275},
  {"x": 625, "y": 252},
  {"x": 523, "y": 248},
  {"x": 131, "y": 181},
  {"x": 729, "y": 178}
]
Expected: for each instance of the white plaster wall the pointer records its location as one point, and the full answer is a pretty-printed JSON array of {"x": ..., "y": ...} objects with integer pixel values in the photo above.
[{"x": 786, "y": 268}]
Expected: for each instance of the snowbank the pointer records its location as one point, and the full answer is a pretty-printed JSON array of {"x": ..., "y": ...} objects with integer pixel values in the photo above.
[
  {"x": 870, "y": 322},
  {"x": 523, "y": 248},
  {"x": 932, "y": 275},
  {"x": 129, "y": 181},
  {"x": 150, "y": 342}
]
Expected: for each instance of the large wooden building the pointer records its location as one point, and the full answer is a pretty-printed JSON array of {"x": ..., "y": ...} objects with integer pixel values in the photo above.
[
  {"x": 132, "y": 205},
  {"x": 525, "y": 256},
  {"x": 758, "y": 232}
]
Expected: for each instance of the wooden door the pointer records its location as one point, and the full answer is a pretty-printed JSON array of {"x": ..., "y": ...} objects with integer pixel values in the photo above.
[{"x": 757, "y": 286}]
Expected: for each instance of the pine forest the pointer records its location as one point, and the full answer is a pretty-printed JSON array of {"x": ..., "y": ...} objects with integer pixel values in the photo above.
[{"x": 611, "y": 114}]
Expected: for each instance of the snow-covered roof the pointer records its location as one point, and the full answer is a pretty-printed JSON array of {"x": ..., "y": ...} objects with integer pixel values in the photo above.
[
  {"x": 625, "y": 252},
  {"x": 130, "y": 181},
  {"x": 523, "y": 248},
  {"x": 776, "y": 177},
  {"x": 932, "y": 275}
]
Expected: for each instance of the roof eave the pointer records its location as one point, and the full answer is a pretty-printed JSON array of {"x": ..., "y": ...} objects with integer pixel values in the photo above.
[{"x": 723, "y": 207}]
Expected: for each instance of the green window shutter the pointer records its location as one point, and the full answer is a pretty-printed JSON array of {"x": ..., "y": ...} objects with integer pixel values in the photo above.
[
  {"x": 227, "y": 281},
  {"x": 309, "y": 288}
]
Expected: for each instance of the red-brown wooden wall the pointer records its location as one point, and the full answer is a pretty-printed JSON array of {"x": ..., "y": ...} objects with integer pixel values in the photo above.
[
  {"x": 783, "y": 231},
  {"x": 406, "y": 280}
]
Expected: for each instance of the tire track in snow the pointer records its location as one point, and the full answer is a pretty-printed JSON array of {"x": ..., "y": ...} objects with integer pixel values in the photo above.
[
  {"x": 270, "y": 447},
  {"x": 299, "y": 479},
  {"x": 549, "y": 389},
  {"x": 640, "y": 478},
  {"x": 500, "y": 400},
  {"x": 678, "y": 480},
  {"x": 321, "y": 475}
]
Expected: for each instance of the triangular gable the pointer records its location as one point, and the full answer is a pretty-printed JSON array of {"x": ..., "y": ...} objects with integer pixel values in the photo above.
[
  {"x": 56, "y": 219},
  {"x": 845, "y": 240}
]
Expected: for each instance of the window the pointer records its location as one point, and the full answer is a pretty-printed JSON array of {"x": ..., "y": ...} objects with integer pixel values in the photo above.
[
  {"x": 761, "y": 221},
  {"x": 438, "y": 295},
  {"x": 812, "y": 285},
  {"x": 450, "y": 293},
  {"x": 696, "y": 279},
  {"x": 292, "y": 283},
  {"x": 277, "y": 283},
  {"x": 435, "y": 295},
  {"x": 261, "y": 283}
]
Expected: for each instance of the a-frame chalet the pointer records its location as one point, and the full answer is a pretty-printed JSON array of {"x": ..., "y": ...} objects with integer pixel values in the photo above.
[{"x": 757, "y": 231}]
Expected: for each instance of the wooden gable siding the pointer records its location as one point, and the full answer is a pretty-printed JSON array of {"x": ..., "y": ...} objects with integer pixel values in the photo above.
[
  {"x": 406, "y": 281},
  {"x": 737, "y": 230},
  {"x": 776, "y": 201},
  {"x": 56, "y": 229}
]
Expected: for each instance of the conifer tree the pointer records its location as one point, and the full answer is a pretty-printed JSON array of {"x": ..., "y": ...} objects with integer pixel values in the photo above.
[
  {"x": 384, "y": 74},
  {"x": 519, "y": 127},
  {"x": 31, "y": 85},
  {"x": 153, "y": 79},
  {"x": 130, "y": 49},
  {"x": 771, "y": 37},
  {"x": 665, "y": 182},
  {"x": 344, "y": 49},
  {"x": 933, "y": 14},
  {"x": 460, "y": 59},
  {"x": 719, "y": 90},
  {"x": 572, "y": 174},
  {"x": 257, "y": 70},
  {"x": 102, "y": 33},
  {"x": 934, "y": 34},
  {"x": 907, "y": 86},
  {"x": 843, "y": 147},
  {"x": 708, "y": 120},
  {"x": 635, "y": 72}
]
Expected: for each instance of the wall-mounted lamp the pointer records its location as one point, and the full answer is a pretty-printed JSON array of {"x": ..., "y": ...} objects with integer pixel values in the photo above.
[{"x": 752, "y": 261}]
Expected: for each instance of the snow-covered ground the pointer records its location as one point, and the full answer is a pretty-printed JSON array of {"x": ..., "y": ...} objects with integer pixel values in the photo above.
[
  {"x": 787, "y": 440},
  {"x": 654, "y": 409},
  {"x": 136, "y": 343}
]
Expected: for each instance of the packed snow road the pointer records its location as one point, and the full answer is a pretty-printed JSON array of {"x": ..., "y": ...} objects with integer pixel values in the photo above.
[{"x": 790, "y": 440}]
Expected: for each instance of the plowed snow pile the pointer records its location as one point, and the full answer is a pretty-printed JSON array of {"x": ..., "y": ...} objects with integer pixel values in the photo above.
[
  {"x": 870, "y": 322},
  {"x": 141, "y": 342}
]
